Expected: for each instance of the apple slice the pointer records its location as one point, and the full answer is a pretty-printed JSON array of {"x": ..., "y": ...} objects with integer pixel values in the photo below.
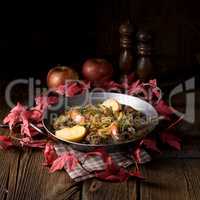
[
  {"x": 73, "y": 134},
  {"x": 112, "y": 103}
]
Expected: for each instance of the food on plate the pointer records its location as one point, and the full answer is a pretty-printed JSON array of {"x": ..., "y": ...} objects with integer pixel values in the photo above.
[
  {"x": 113, "y": 104},
  {"x": 74, "y": 134},
  {"x": 104, "y": 123}
]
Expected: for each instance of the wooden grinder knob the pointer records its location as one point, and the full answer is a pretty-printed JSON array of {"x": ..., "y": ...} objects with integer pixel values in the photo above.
[{"x": 126, "y": 56}]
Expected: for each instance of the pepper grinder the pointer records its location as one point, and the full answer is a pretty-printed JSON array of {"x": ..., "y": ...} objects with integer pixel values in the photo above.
[
  {"x": 144, "y": 64},
  {"x": 126, "y": 54}
]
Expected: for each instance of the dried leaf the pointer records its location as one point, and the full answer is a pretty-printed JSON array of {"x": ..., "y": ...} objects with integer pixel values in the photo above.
[
  {"x": 136, "y": 155},
  {"x": 24, "y": 116},
  {"x": 136, "y": 174},
  {"x": 163, "y": 109},
  {"x": 137, "y": 88},
  {"x": 43, "y": 101},
  {"x": 36, "y": 115},
  {"x": 67, "y": 159},
  {"x": 5, "y": 142},
  {"x": 112, "y": 172},
  {"x": 28, "y": 142},
  {"x": 154, "y": 90},
  {"x": 21, "y": 115},
  {"x": 119, "y": 176},
  {"x": 14, "y": 116},
  {"x": 150, "y": 144},
  {"x": 171, "y": 139},
  {"x": 72, "y": 88},
  {"x": 49, "y": 154},
  {"x": 153, "y": 83},
  {"x": 111, "y": 86}
]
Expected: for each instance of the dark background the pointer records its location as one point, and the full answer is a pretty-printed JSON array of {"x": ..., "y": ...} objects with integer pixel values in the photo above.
[{"x": 35, "y": 37}]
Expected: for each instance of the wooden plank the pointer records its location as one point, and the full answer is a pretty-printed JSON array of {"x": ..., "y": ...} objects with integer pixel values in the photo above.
[
  {"x": 9, "y": 163},
  {"x": 171, "y": 179},
  {"x": 32, "y": 180},
  {"x": 110, "y": 191},
  {"x": 192, "y": 177},
  {"x": 4, "y": 174}
]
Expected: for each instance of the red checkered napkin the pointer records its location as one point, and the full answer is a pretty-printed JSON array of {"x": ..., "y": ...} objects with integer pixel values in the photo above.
[{"x": 95, "y": 163}]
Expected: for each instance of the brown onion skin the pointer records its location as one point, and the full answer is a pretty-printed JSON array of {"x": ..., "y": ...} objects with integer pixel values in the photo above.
[
  {"x": 59, "y": 74},
  {"x": 97, "y": 70}
]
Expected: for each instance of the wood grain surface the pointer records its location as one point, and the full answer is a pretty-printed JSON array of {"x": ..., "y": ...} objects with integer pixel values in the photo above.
[
  {"x": 22, "y": 176},
  {"x": 171, "y": 179},
  {"x": 109, "y": 191}
]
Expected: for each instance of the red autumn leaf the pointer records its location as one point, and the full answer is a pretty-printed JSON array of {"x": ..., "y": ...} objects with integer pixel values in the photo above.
[
  {"x": 107, "y": 175},
  {"x": 25, "y": 124},
  {"x": 110, "y": 164},
  {"x": 18, "y": 108},
  {"x": 25, "y": 117},
  {"x": 111, "y": 85},
  {"x": 21, "y": 115},
  {"x": 49, "y": 154},
  {"x": 72, "y": 88},
  {"x": 58, "y": 164},
  {"x": 163, "y": 109},
  {"x": 28, "y": 142},
  {"x": 128, "y": 79},
  {"x": 155, "y": 91},
  {"x": 136, "y": 174},
  {"x": 43, "y": 101},
  {"x": 14, "y": 116},
  {"x": 153, "y": 83},
  {"x": 61, "y": 89},
  {"x": 137, "y": 88},
  {"x": 36, "y": 114},
  {"x": 112, "y": 172},
  {"x": 67, "y": 159},
  {"x": 33, "y": 132},
  {"x": 5, "y": 142},
  {"x": 136, "y": 155},
  {"x": 52, "y": 100},
  {"x": 171, "y": 139},
  {"x": 151, "y": 144}
]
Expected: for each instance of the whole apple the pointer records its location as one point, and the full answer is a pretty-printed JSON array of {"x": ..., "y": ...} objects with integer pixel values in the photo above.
[
  {"x": 59, "y": 74},
  {"x": 97, "y": 70}
]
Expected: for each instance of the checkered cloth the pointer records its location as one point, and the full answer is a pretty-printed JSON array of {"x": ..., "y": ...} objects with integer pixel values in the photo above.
[{"x": 95, "y": 163}]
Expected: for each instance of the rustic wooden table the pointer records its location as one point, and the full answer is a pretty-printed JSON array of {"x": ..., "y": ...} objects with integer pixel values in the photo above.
[
  {"x": 175, "y": 175},
  {"x": 22, "y": 176}
]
